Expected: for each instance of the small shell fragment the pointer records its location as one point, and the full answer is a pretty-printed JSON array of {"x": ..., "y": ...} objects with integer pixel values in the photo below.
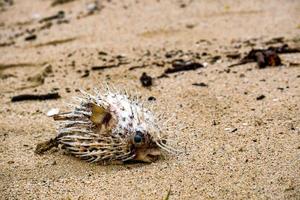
[{"x": 52, "y": 112}]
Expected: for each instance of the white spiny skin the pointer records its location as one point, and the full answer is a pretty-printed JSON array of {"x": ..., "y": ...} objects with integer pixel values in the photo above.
[{"x": 110, "y": 127}]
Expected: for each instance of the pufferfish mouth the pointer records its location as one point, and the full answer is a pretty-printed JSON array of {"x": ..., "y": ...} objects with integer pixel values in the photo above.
[{"x": 147, "y": 155}]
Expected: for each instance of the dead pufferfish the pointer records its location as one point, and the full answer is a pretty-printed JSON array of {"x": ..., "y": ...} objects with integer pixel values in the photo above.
[{"x": 108, "y": 128}]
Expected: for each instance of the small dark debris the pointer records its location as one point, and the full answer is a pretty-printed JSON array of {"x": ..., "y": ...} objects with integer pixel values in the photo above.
[
  {"x": 86, "y": 74},
  {"x": 137, "y": 67},
  {"x": 40, "y": 97},
  {"x": 190, "y": 26},
  {"x": 168, "y": 55},
  {"x": 214, "y": 123},
  {"x": 163, "y": 76},
  {"x": 181, "y": 65},
  {"x": 214, "y": 59},
  {"x": 63, "y": 21},
  {"x": 182, "y": 5},
  {"x": 103, "y": 67},
  {"x": 260, "y": 97},
  {"x": 146, "y": 80},
  {"x": 242, "y": 75},
  {"x": 233, "y": 55},
  {"x": 204, "y": 41},
  {"x": 174, "y": 53},
  {"x": 30, "y": 37},
  {"x": 5, "y": 44},
  {"x": 151, "y": 98},
  {"x": 159, "y": 64},
  {"x": 120, "y": 57},
  {"x": 275, "y": 40},
  {"x": 60, "y": 15},
  {"x": 200, "y": 84},
  {"x": 233, "y": 130},
  {"x": 249, "y": 43},
  {"x": 59, "y": 2},
  {"x": 280, "y": 88},
  {"x": 102, "y": 53},
  {"x": 227, "y": 71},
  {"x": 294, "y": 64},
  {"x": 285, "y": 49},
  {"x": 47, "y": 25},
  {"x": 292, "y": 127}
]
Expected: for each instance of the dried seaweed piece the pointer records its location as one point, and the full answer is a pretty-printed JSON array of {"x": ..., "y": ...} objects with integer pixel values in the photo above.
[
  {"x": 60, "y": 15},
  {"x": 137, "y": 67},
  {"x": 56, "y": 42},
  {"x": 260, "y": 97},
  {"x": 40, "y": 97},
  {"x": 284, "y": 49},
  {"x": 181, "y": 65},
  {"x": 103, "y": 67},
  {"x": 266, "y": 57},
  {"x": 200, "y": 84},
  {"x": 59, "y": 2},
  {"x": 260, "y": 56},
  {"x": 234, "y": 55},
  {"x": 163, "y": 76},
  {"x": 30, "y": 37}
]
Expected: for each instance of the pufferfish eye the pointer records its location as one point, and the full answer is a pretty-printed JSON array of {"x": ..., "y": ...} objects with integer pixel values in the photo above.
[{"x": 138, "y": 138}]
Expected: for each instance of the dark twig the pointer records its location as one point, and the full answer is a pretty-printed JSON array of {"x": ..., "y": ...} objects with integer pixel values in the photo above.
[{"x": 40, "y": 97}]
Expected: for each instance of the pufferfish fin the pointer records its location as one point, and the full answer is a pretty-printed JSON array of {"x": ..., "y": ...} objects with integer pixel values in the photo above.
[{"x": 100, "y": 115}]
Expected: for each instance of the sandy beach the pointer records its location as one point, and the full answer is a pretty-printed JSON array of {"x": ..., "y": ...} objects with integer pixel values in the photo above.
[{"x": 239, "y": 126}]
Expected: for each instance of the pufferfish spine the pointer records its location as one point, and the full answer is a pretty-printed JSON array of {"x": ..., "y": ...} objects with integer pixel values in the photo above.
[{"x": 110, "y": 127}]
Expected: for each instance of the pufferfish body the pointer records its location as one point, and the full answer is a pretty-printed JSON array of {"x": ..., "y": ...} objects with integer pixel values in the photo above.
[{"x": 110, "y": 128}]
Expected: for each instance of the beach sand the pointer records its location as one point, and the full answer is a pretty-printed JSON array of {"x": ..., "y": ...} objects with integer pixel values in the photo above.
[{"x": 235, "y": 145}]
